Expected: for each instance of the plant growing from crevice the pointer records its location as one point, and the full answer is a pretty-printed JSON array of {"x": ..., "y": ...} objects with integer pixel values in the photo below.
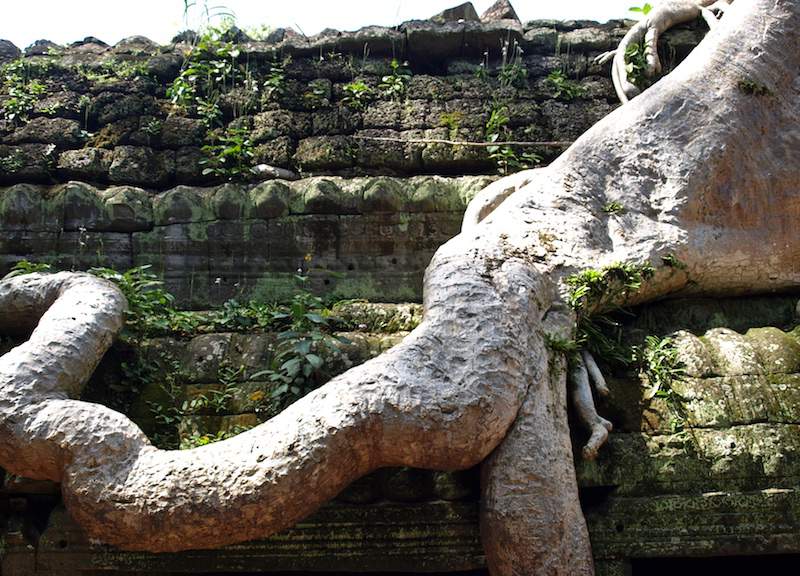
[
  {"x": 482, "y": 69},
  {"x": 613, "y": 207},
  {"x": 149, "y": 304},
  {"x": 562, "y": 88},
  {"x": 636, "y": 64},
  {"x": 451, "y": 121},
  {"x": 594, "y": 294},
  {"x": 660, "y": 368},
  {"x": 304, "y": 340},
  {"x": 752, "y": 87},
  {"x": 112, "y": 71},
  {"x": 512, "y": 72},
  {"x": 27, "y": 267},
  {"x": 209, "y": 71},
  {"x": 316, "y": 96},
  {"x": 393, "y": 85},
  {"x": 20, "y": 92},
  {"x": 216, "y": 401},
  {"x": 230, "y": 156},
  {"x": 151, "y": 129},
  {"x": 563, "y": 345},
  {"x": 274, "y": 85},
  {"x": 357, "y": 95},
  {"x": 11, "y": 162},
  {"x": 196, "y": 439},
  {"x": 85, "y": 106},
  {"x": 504, "y": 156},
  {"x": 673, "y": 262}
]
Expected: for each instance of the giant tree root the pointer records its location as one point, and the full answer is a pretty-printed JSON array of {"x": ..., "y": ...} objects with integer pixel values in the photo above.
[
  {"x": 707, "y": 173},
  {"x": 647, "y": 32}
]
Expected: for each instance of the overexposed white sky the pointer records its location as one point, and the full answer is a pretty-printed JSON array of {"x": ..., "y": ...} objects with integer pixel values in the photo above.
[{"x": 64, "y": 21}]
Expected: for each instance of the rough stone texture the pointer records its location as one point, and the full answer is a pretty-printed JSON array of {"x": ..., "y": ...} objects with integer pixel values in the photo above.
[
  {"x": 58, "y": 131},
  {"x": 113, "y": 98},
  {"x": 27, "y": 163},
  {"x": 462, "y": 12},
  {"x": 359, "y": 238},
  {"x": 500, "y": 10},
  {"x": 8, "y": 51},
  {"x": 86, "y": 163},
  {"x": 141, "y": 166}
]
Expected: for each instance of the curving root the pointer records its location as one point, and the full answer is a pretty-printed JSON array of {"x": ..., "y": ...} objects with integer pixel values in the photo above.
[
  {"x": 660, "y": 19},
  {"x": 584, "y": 370}
]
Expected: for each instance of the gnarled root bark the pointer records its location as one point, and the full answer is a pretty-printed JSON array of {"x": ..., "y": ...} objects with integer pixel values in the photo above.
[
  {"x": 442, "y": 399},
  {"x": 706, "y": 172},
  {"x": 647, "y": 32}
]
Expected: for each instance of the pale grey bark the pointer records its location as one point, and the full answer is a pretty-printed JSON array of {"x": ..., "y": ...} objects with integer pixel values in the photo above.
[
  {"x": 706, "y": 171},
  {"x": 647, "y": 31}
]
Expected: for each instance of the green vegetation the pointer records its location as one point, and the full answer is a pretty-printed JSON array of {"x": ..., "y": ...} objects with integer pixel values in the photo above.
[
  {"x": 644, "y": 10},
  {"x": 25, "y": 267},
  {"x": 636, "y": 64},
  {"x": 503, "y": 155},
  {"x": 196, "y": 439},
  {"x": 754, "y": 88},
  {"x": 482, "y": 69},
  {"x": 85, "y": 105},
  {"x": 211, "y": 70},
  {"x": 305, "y": 341},
  {"x": 152, "y": 129},
  {"x": 316, "y": 96},
  {"x": 20, "y": 91},
  {"x": 561, "y": 344},
  {"x": 613, "y": 207},
  {"x": 274, "y": 86},
  {"x": 112, "y": 71},
  {"x": 230, "y": 156},
  {"x": 512, "y": 73},
  {"x": 562, "y": 87},
  {"x": 11, "y": 162},
  {"x": 150, "y": 307},
  {"x": 451, "y": 120},
  {"x": 357, "y": 95},
  {"x": 151, "y": 310},
  {"x": 674, "y": 262},
  {"x": 594, "y": 293},
  {"x": 393, "y": 86},
  {"x": 659, "y": 368},
  {"x": 216, "y": 400},
  {"x": 594, "y": 288}
]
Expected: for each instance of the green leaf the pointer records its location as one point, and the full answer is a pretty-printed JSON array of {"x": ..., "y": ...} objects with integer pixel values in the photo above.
[
  {"x": 291, "y": 366},
  {"x": 303, "y": 347},
  {"x": 261, "y": 373}
]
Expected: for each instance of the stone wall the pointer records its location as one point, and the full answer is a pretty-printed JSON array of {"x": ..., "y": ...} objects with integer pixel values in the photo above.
[
  {"x": 368, "y": 237},
  {"x": 99, "y": 167},
  {"x": 105, "y": 115}
]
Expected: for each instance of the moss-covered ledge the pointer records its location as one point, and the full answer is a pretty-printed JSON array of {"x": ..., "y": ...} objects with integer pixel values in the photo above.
[{"x": 369, "y": 237}]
